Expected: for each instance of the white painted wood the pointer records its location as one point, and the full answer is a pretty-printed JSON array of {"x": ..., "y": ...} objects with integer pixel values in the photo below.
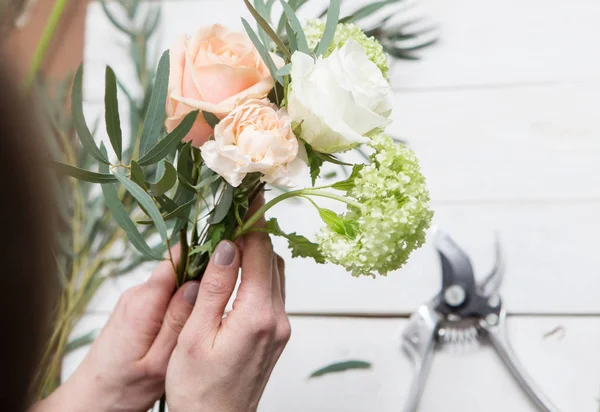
[{"x": 566, "y": 365}]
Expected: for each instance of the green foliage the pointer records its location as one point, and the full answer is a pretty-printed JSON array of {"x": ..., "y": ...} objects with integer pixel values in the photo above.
[
  {"x": 155, "y": 115},
  {"x": 111, "y": 107},
  {"x": 299, "y": 245},
  {"x": 333, "y": 15},
  {"x": 266, "y": 28},
  {"x": 82, "y": 174},
  {"x": 165, "y": 182},
  {"x": 348, "y": 184},
  {"x": 341, "y": 367},
  {"x": 296, "y": 27},
  {"x": 262, "y": 51},
  {"x": 223, "y": 206}
]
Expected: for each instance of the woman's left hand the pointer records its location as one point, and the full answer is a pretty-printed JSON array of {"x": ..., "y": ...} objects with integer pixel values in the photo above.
[{"x": 126, "y": 366}]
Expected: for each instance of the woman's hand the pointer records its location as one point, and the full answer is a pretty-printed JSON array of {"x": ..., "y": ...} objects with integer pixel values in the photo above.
[
  {"x": 223, "y": 364},
  {"x": 126, "y": 366}
]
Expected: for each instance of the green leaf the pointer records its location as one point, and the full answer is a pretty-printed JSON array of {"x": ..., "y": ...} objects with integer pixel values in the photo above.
[
  {"x": 333, "y": 15},
  {"x": 111, "y": 115},
  {"x": 208, "y": 181},
  {"x": 296, "y": 26},
  {"x": 348, "y": 184},
  {"x": 331, "y": 219},
  {"x": 155, "y": 115},
  {"x": 177, "y": 212},
  {"x": 146, "y": 202},
  {"x": 222, "y": 208},
  {"x": 314, "y": 163},
  {"x": 82, "y": 174},
  {"x": 170, "y": 141},
  {"x": 291, "y": 37},
  {"x": 341, "y": 367},
  {"x": 285, "y": 70},
  {"x": 295, "y": 5},
  {"x": 81, "y": 341},
  {"x": 366, "y": 11},
  {"x": 137, "y": 174},
  {"x": 299, "y": 245},
  {"x": 166, "y": 182},
  {"x": 173, "y": 209},
  {"x": 81, "y": 127},
  {"x": 122, "y": 218},
  {"x": 264, "y": 25},
  {"x": 211, "y": 119},
  {"x": 262, "y": 51}
]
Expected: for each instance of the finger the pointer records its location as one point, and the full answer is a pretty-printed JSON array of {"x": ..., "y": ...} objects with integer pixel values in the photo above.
[
  {"x": 257, "y": 271},
  {"x": 179, "y": 310},
  {"x": 281, "y": 273},
  {"x": 216, "y": 288},
  {"x": 276, "y": 287}
]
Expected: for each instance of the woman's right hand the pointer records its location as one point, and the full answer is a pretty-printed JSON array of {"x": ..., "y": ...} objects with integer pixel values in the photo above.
[{"x": 223, "y": 364}]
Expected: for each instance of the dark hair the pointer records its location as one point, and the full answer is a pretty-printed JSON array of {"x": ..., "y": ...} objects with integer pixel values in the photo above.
[{"x": 27, "y": 281}]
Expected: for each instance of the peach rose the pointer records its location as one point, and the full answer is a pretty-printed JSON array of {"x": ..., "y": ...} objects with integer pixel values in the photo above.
[
  {"x": 211, "y": 71},
  {"x": 256, "y": 137}
]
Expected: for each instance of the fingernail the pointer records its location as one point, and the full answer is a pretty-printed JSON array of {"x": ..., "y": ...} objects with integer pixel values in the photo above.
[
  {"x": 190, "y": 292},
  {"x": 224, "y": 254}
]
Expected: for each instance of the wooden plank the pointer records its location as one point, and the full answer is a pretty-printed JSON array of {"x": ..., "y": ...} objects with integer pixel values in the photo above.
[
  {"x": 507, "y": 42},
  {"x": 566, "y": 365},
  {"x": 538, "y": 142}
]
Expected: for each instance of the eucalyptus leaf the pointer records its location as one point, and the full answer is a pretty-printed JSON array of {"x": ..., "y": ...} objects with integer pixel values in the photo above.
[
  {"x": 111, "y": 110},
  {"x": 333, "y": 15},
  {"x": 366, "y": 11},
  {"x": 170, "y": 141},
  {"x": 177, "y": 212},
  {"x": 166, "y": 182},
  {"x": 264, "y": 25},
  {"x": 146, "y": 202},
  {"x": 296, "y": 26},
  {"x": 285, "y": 70},
  {"x": 82, "y": 174},
  {"x": 295, "y": 5},
  {"x": 262, "y": 51},
  {"x": 122, "y": 218},
  {"x": 207, "y": 181},
  {"x": 137, "y": 174},
  {"x": 341, "y": 367},
  {"x": 86, "y": 138},
  {"x": 222, "y": 208},
  {"x": 155, "y": 115}
]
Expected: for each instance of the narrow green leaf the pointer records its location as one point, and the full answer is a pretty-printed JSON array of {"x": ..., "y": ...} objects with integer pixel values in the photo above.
[
  {"x": 82, "y": 174},
  {"x": 264, "y": 25},
  {"x": 146, "y": 202},
  {"x": 137, "y": 174},
  {"x": 285, "y": 70},
  {"x": 296, "y": 26},
  {"x": 170, "y": 141},
  {"x": 295, "y": 5},
  {"x": 333, "y": 15},
  {"x": 211, "y": 119},
  {"x": 341, "y": 367},
  {"x": 111, "y": 112},
  {"x": 155, "y": 115},
  {"x": 222, "y": 208},
  {"x": 366, "y": 11},
  {"x": 291, "y": 37},
  {"x": 81, "y": 341},
  {"x": 314, "y": 163},
  {"x": 113, "y": 20},
  {"x": 264, "y": 53},
  {"x": 122, "y": 218},
  {"x": 205, "y": 182},
  {"x": 177, "y": 212},
  {"x": 87, "y": 140},
  {"x": 168, "y": 205},
  {"x": 166, "y": 182}
]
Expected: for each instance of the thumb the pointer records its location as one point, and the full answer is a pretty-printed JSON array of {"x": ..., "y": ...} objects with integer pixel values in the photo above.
[
  {"x": 215, "y": 291},
  {"x": 179, "y": 310}
]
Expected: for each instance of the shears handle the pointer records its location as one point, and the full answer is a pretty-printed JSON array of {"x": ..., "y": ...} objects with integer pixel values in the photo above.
[
  {"x": 418, "y": 341},
  {"x": 499, "y": 337}
]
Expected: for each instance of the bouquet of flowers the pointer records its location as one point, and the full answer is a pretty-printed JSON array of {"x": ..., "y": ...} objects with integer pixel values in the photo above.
[{"x": 231, "y": 112}]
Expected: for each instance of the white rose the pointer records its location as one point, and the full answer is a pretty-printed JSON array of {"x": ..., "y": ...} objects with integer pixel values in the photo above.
[
  {"x": 338, "y": 99},
  {"x": 256, "y": 137}
]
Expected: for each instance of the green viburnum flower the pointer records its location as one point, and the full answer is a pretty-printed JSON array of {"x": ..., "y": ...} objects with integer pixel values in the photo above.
[
  {"x": 393, "y": 217},
  {"x": 315, "y": 28}
]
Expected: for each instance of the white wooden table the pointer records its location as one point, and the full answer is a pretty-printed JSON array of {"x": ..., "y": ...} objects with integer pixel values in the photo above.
[{"x": 504, "y": 115}]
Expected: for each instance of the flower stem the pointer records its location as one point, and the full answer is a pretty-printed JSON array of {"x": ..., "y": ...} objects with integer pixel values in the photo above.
[
  {"x": 296, "y": 193},
  {"x": 42, "y": 47}
]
